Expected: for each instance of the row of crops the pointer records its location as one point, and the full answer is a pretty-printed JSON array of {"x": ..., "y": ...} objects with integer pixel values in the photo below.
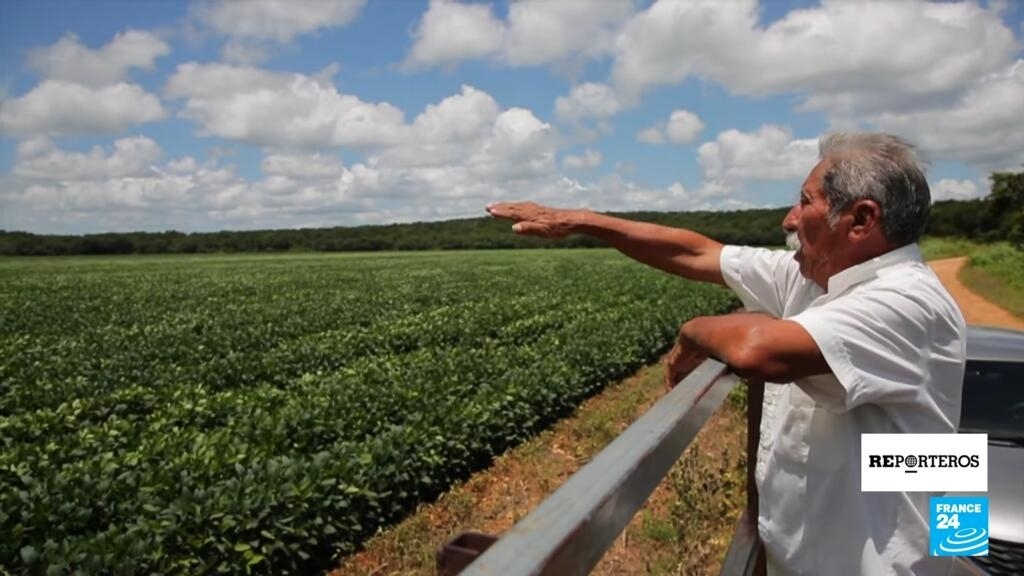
[{"x": 267, "y": 414}]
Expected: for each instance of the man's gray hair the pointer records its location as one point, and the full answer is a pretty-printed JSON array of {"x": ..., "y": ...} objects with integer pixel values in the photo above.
[{"x": 883, "y": 168}]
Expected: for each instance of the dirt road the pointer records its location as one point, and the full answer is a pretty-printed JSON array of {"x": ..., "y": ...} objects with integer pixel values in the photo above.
[{"x": 976, "y": 309}]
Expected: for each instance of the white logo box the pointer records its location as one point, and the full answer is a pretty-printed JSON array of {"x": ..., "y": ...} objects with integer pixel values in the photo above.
[{"x": 924, "y": 462}]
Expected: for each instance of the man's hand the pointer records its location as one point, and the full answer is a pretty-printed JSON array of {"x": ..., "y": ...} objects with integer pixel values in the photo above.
[
  {"x": 535, "y": 220},
  {"x": 681, "y": 360}
]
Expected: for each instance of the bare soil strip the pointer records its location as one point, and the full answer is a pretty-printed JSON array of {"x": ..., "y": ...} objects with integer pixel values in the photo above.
[{"x": 976, "y": 309}]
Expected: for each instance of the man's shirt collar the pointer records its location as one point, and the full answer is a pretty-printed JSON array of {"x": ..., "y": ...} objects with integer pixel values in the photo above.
[{"x": 843, "y": 281}]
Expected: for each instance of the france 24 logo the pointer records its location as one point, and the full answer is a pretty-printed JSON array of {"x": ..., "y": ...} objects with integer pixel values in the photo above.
[{"x": 959, "y": 525}]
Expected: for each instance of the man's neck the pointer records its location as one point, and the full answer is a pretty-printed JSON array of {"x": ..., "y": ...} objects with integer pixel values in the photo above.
[{"x": 856, "y": 256}]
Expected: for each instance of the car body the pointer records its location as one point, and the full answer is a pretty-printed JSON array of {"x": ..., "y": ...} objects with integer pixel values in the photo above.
[{"x": 993, "y": 403}]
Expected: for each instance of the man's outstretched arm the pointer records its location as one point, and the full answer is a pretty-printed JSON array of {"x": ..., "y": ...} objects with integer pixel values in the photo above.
[
  {"x": 674, "y": 250},
  {"x": 756, "y": 346}
]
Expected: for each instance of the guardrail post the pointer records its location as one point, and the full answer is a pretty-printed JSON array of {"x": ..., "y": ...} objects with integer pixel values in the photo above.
[{"x": 755, "y": 399}]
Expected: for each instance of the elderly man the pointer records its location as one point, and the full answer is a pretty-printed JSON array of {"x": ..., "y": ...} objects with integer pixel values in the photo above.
[{"x": 851, "y": 328}]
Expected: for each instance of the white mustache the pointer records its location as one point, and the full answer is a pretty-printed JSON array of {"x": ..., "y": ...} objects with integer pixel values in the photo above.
[{"x": 792, "y": 241}]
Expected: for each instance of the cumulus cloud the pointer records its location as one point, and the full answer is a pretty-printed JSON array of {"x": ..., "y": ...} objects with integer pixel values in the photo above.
[
  {"x": 951, "y": 189},
  {"x": 588, "y": 100},
  {"x": 466, "y": 146},
  {"x": 301, "y": 165},
  {"x": 876, "y": 77},
  {"x": 615, "y": 193},
  {"x": 244, "y": 52},
  {"x": 769, "y": 153},
  {"x": 449, "y": 32},
  {"x": 982, "y": 127},
  {"x": 254, "y": 29},
  {"x": 536, "y": 32},
  {"x": 100, "y": 191},
  {"x": 279, "y": 109},
  {"x": 682, "y": 127},
  {"x": 541, "y": 32},
  {"x": 114, "y": 191},
  {"x": 69, "y": 60},
  {"x": 58, "y": 107},
  {"x": 85, "y": 90},
  {"x": 825, "y": 51},
  {"x": 652, "y": 135},
  {"x": 275, "y": 20},
  {"x": 453, "y": 158},
  {"x": 589, "y": 159},
  {"x": 39, "y": 159}
]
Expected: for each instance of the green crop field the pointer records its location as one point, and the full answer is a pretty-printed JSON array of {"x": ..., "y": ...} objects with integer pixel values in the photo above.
[{"x": 184, "y": 415}]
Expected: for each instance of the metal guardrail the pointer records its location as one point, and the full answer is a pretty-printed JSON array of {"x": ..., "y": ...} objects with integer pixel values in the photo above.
[{"x": 569, "y": 532}]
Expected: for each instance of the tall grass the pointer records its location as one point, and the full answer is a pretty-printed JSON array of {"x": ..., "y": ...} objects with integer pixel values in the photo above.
[{"x": 996, "y": 272}]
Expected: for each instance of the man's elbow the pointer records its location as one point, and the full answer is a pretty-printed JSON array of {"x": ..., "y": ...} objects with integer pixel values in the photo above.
[{"x": 756, "y": 359}]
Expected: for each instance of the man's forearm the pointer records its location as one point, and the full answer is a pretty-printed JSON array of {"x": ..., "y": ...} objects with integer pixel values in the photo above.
[
  {"x": 756, "y": 346},
  {"x": 673, "y": 250},
  {"x": 727, "y": 338}
]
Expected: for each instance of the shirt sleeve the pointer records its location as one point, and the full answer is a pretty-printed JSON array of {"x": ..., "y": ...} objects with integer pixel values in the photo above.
[
  {"x": 877, "y": 345},
  {"x": 762, "y": 278}
]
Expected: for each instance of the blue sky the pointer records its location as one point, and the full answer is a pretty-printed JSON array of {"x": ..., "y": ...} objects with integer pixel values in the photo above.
[{"x": 118, "y": 116}]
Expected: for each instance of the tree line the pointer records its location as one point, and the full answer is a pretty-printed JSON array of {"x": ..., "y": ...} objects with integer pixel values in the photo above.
[{"x": 999, "y": 216}]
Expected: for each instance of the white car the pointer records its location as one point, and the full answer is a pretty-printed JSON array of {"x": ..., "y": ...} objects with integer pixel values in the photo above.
[{"x": 993, "y": 403}]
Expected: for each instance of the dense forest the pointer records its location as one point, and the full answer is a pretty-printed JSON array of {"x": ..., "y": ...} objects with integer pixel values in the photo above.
[{"x": 1000, "y": 216}]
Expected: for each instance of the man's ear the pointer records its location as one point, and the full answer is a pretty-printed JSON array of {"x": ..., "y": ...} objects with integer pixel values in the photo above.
[{"x": 867, "y": 217}]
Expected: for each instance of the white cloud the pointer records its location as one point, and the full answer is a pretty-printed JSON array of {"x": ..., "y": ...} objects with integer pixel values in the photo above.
[
  {"x": 70, "y": 61},
  {"x": 588, "y": 100},
  {"x": 212, "y": 81},
  {"x": 589, "y": 159},
  {"x": 60, "y": 107},
  {"x": 825, "y": 52},
  {"x": 300, "y": 166},
  {"x": 244, "y": 52},
  {"x": 276, "y": 20},
  {"x": 449, "y": 32},
  {"x": 122, "y": 191},
  {"x": 667, "y": 42},
  {"x": 39, "y": 159},
  {"x": 537, "y": 32},
  {"x": 652, "y": 135},
  {"x": 182, "y": 165},
  {"x": 770, "y": 153},
  {"x": 506, "y": 151},
  {"x": 84, "y": 90},
  {"x": 278, "y": 109},
  {"x": 541, "y": 32},
  {"x": 682, "y": 127},
  {"x": 952, "y": 86},
  {"x": 982, "y": 127},
  {"x": 615, "y": 193},
  {"x": 454, "y": 158},
  {"x": 950, "y": 189},
  {"x": 457, "y": 118}
]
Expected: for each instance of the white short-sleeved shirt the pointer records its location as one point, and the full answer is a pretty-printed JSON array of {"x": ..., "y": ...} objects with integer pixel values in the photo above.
[{"x": 896, "y": 344}]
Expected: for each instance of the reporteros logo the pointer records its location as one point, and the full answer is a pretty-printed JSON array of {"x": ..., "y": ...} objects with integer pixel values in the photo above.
[
  {"x": 924, "y": 462},
  {"x": 910, "y": 462}
]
